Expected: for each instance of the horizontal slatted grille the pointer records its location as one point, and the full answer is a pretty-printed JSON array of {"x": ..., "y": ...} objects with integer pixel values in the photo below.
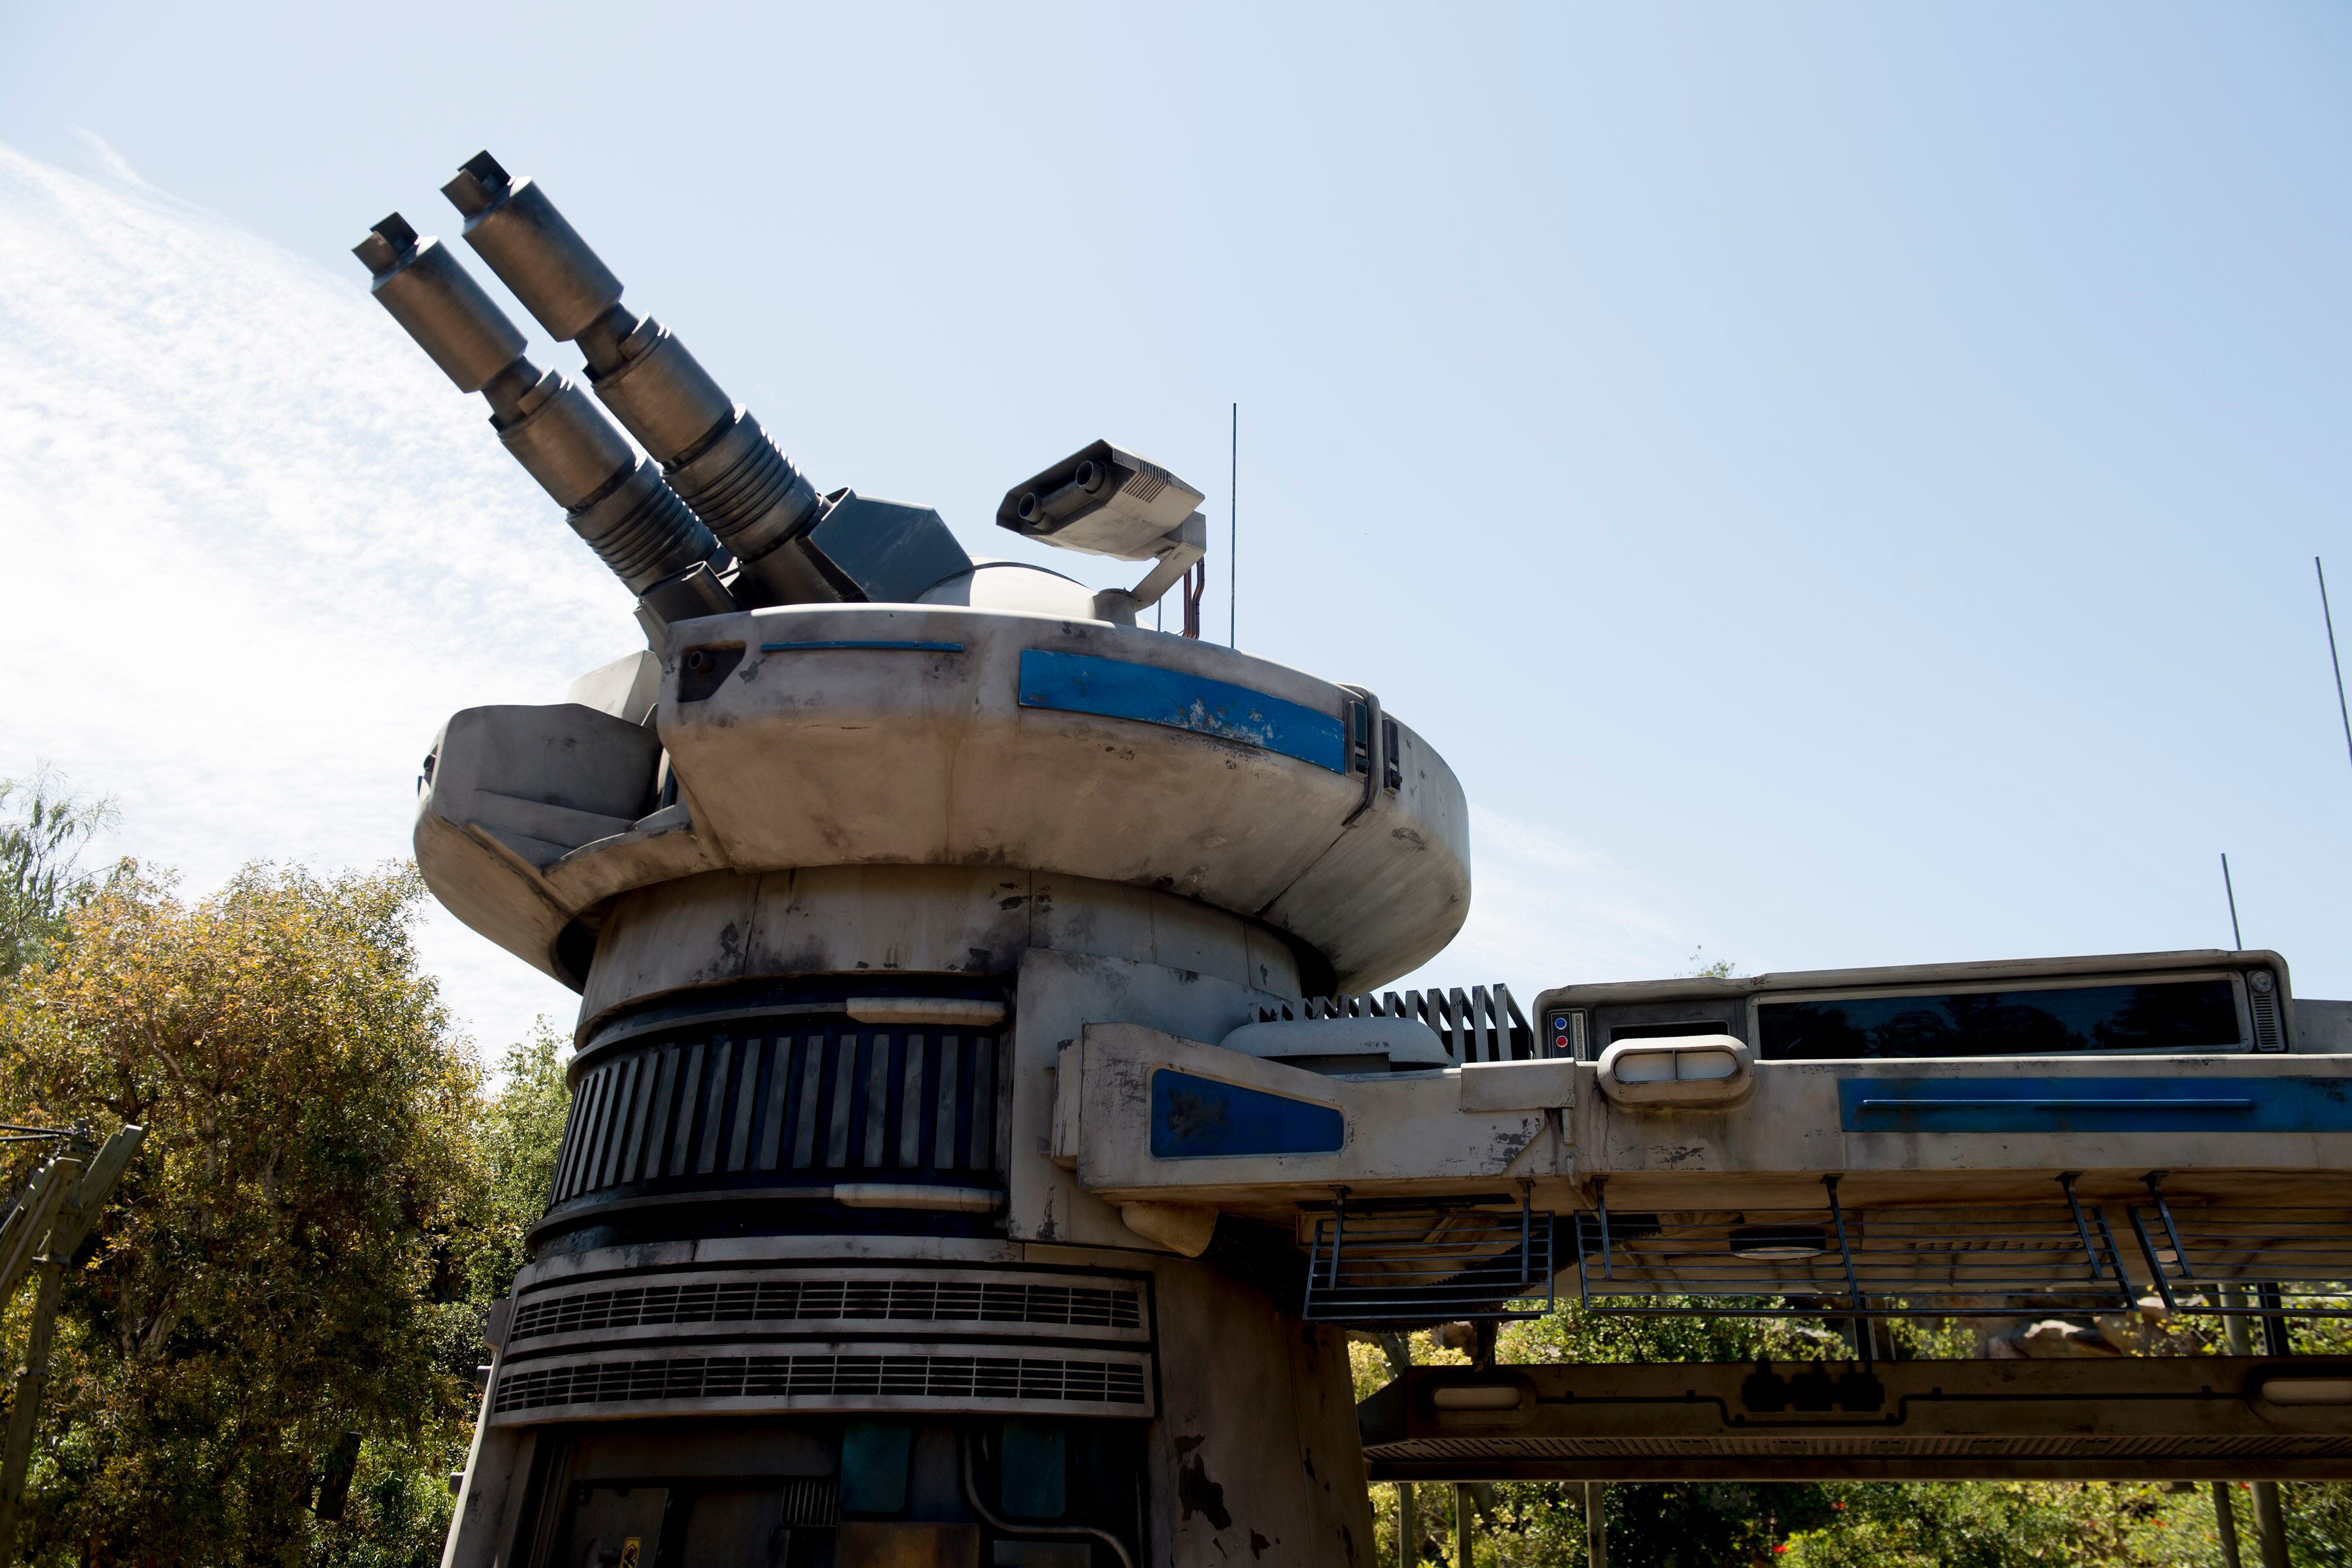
[
  {"x": 803, "y": 1301},
  {"x": 819, "y": 1376},
  {"x": 807, "y": 1102}
]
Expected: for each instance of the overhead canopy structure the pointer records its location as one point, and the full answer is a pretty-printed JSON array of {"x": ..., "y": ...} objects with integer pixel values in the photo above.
[{"x": 2125, "y": 1418}]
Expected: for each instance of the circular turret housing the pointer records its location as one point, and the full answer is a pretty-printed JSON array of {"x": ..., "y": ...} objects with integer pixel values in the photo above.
[{"x": 810, "y": 737}]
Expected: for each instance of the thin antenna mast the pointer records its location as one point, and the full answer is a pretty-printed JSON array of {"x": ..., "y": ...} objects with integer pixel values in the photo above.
[
  {"x": 2334, "y": 662},
  {"x": 1233, "y": 534},
  {"x": 2231, "y": 893}
]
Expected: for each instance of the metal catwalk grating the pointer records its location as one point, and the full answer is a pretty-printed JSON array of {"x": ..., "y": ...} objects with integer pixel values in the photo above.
[
  {"x": 1885, "y": 1262},
  {"x": 1422, "y": 1263},
  {"x": 675, "y": 1378},
  {"x": 803, "y": 1301},
  {"x": 2242, "y": 1262}
]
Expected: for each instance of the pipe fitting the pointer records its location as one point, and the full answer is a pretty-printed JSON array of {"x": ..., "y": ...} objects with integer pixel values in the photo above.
[
  {"x": 662, "y": 394},
  {"x": 565, "y": 444}
]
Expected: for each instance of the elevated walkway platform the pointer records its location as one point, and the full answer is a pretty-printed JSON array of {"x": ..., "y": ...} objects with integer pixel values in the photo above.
[{"x": 2082, "y": 1134}]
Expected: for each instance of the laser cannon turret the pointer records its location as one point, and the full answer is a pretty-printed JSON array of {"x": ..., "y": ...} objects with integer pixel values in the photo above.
[{"x": 721, "y": 520}]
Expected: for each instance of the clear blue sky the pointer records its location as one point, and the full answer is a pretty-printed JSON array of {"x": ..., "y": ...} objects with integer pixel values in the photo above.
[{"x": 1839, "y": 483}]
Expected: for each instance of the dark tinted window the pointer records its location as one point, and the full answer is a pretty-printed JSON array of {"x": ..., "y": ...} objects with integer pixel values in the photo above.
[{"x": 2173, "y": 1014}]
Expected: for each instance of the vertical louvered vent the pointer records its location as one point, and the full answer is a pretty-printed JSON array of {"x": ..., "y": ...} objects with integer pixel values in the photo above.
[
  {"x": 2261, "y": 992},
  {"x": 812, "y": 1503},
  {"x": 808, "y": 1101},
  {"x": 1481, "y": 1025}
]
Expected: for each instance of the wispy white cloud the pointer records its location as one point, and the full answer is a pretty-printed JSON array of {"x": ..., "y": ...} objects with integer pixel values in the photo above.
[
  {"x": 1547, "y": 910},
  {"x": 107, "y": 164},
  {"x": 256, "y": 548}
]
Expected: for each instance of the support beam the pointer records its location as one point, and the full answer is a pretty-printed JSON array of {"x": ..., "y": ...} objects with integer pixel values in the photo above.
[
  {"x": 1397, "y": 1349},
  {"x": 46, "y": 1229},
  {"x": 2131, "y": 1418},
  {"x": 2270, "y": 1519},
  {"x": 2225, "y": 1525},
  {"x": 32, "y": 1380}
]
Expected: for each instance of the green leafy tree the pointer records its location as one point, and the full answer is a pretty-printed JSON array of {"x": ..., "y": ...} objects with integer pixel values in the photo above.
[
  {"x": 2010, "y": 1524},
  {"x": 44, "y": 828},
  {"x": 285, "y": 1258},
  {"x": 521, "y": 1131}
]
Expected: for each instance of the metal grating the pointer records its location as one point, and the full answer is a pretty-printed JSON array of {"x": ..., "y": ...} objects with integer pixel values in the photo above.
[
  {"x": 1422, "y": 1263},
  {"x": 1481, "y": 1025},
  {"x": 837, "y": 1100},
  {"x": 671, "y": 1379},
  {"x": 1830, "y": 1260},
  {"x": 2243, "y": 1262},
  {"x": 800, "y": 1301}
]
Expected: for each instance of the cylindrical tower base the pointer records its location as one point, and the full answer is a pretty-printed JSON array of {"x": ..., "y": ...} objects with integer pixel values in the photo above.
[{"x": 808, "y": 1293}]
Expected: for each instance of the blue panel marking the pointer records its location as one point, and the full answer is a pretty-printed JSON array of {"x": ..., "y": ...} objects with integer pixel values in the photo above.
[
  {"x": 890, "y": 647},
  {"x": 2193, "y": 1104},
  {"x": 1200, "y": 1119},
  {"x": 1112, "y": 688}
]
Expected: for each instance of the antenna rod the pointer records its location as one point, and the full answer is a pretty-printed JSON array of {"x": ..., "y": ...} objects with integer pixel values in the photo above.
[
  {"x": 1232, "y": 541},
  {"x": 2334, "y": 662},
  {"x": 2231, "y": 893}
]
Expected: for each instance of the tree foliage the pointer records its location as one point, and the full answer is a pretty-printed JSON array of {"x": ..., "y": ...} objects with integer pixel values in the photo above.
[
  {"x": 44, "y": 828},
  {"x": 521, "y": 1131},
  {"x": 283, "y": 1260}
]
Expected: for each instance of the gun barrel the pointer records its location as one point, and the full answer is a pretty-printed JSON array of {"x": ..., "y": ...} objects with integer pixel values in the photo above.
[
  {"x": 611, "y": 498},
  {"x": 726, "y": 467}
]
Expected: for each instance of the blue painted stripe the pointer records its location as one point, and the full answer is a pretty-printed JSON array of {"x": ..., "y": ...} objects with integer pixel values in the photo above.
[
  {"x": 2188, "y": 1104},
  {"x": 1204, "y": 1119},
  {"x": 889, "y": 647},
  {"x": 1150, "y": 694}
]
